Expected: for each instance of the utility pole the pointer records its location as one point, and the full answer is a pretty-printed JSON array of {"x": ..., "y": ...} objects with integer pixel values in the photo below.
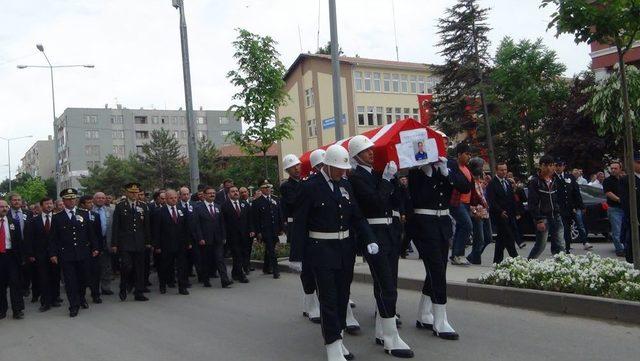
[
  {"x": 194, "y": 170},
  {"x": 335, "y": 64}
]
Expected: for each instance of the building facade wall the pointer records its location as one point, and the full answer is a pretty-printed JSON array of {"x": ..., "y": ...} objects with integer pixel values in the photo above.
[{"x": 39, "y": 160}]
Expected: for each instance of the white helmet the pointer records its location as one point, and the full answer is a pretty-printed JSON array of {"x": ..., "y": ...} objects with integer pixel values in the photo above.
[
  {"x": 316, "y": 157},
  {"x": 289, "y": 161},
  {"x": 359, "y": 143},
  {"x": 337, "y": 156}
]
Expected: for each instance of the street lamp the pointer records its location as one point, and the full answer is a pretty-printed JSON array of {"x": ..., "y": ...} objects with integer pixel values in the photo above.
[{"x": 9, "y": 153}]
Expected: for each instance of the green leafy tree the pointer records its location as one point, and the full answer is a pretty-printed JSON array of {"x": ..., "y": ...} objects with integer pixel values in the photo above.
[
  {"x": 612, "y": 22},
  {"x": 33, "y": 190},
  {"x": 326, "y": 49},
  {"x": 161, "y": 165},
  {"x": 526, "y": 78},
  {"x": 246, "y": 171},
  {"x": 259, "y": 77},
  {"x": 110, "y": 176},
  {"x": 209, "y": 161},
  {"x": 50, "y": 184}
]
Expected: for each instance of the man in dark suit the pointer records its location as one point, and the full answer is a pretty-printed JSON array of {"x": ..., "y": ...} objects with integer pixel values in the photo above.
[
  {"x": 73, "y": 244},
  {"x": 10, "y": 260},
  {"x": 502, "y": 210},
  {"x": 130, "y": 237},
  {"x": 268, "y": 224},
  {"x": 208, "y": 229},
  {"x": 36, "y": 244},
  {"x": 170, "y": 242},
  {"x": 238, "y": 226},
  {"x": 186, "y": 205},
  {"x": 571, "y": 205},
  {"x": 86, "y": 204},
  {"x": 20, "y": 217},
  {"x": 223, "y": 194}
]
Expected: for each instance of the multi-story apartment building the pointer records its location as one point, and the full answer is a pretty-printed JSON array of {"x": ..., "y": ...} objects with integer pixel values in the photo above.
[
  {"x": 604, "y": 57},
  {"x": 84, "y": 137},
  {"x": 374, "y": 93},
  {"x": 39, "y": 160}
]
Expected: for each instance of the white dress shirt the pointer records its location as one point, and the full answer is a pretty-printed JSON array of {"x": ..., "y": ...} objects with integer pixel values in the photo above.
[
  {"x": 7, "y": 232},
  {"x": 69, "y": 212}
]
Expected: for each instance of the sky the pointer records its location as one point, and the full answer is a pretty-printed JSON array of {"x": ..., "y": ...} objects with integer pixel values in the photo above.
[{"x": 135, "y": 47}]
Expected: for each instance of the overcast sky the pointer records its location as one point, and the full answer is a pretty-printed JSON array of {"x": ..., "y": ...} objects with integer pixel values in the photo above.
[{"x": 135, "y": 46}]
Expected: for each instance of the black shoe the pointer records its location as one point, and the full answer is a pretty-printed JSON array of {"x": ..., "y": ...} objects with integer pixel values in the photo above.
[
  {"x": 447, "y": 335},
  {"x": 73, "y": 312},
  {"x": 251, "y": 269},
  {"x": 424, "y": 326},
  {"x": 163, "y": 290},
  {"x": 266, "y": 272},
  {"x": 171, "y": 285},
  {"x": 276, "y": 275},
  {"x": 123, "y": 295},
  {"x": 141, "y": 298},
  {"x": 97, "y": 300},
  {"x": 107, "y": 292},
  {"x": 44, "y": 308},
  {"x": 226, "y": 283},
  {"x": 349, "y": 357},
  {"x": 244, "y": 280},
  {"x": 183, "y": 291},
  {"x": 18, "y": 315},
  {"x": 400, "y": 353},
  {"x": 206, "y": 284},
  {"x": 84, "y": 305},
  {"x": 146, "y": 290}
]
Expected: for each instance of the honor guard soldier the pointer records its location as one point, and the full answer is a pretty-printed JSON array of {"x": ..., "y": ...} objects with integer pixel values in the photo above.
[
  {"x": 268, "y": 225},
  {"x": 72, "y": 245},
  {"x": 130, "y": 238},
  {"x": 430, "y": 188},
  {"x": 322, "y": 226},
  {"x": 373, "y": 192}
]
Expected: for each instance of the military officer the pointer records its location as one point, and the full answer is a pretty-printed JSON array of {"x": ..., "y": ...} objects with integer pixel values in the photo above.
[
  {"x": 269, "y": 224},
  {"x": 322, "y": 224},
  {"x": 430, "y": 188},
  {"x": 72, "y": 245},
  {"x": 86, "y": 204},
  {"x": 373, "y": 191},
  {"x": 130, "y": 238}
]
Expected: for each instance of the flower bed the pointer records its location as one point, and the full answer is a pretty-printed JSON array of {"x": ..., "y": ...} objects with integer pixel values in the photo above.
[
  {"x": 587, "y": 274},
  {"x": 257, "y": 252}
]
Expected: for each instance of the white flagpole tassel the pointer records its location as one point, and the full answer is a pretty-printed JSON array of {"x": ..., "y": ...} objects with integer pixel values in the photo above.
[
  {"x": 441, "y": 326},
  {"x": 393, "y": 344},
  {"x": 425, "y": 313}
]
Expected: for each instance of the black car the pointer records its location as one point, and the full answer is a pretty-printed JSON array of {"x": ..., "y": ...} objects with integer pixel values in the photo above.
[{"x": 595, "y": 216}]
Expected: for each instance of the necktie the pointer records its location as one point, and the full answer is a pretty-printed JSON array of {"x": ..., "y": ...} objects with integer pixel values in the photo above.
[
  {"x": 3, "y": 237},
  {"x": 174, "y": 216},
  {"x": 504, "y": 185},
  {"x": 336, "y": 189},
  {"x": 212, "y": 211},
  {"x": 133, "y": 207},
  {"x": 237, "y": 208},
  {"x": 47, "y": 224},
  {"x": 71, "y": 215}
]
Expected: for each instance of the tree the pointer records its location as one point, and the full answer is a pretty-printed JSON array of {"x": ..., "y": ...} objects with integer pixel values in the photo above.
[
  {"x": 209, "y": 160},
  {"x": 464, "y": 45},
  {"x": 248, "y": 170},
  {"x": 161, "y": 164},
  {"x": 612, "y": 22},
  {"x": 50, "y": 185},
  {"x": 573, "y": 135},
  {"x": 259, "y": 76},
  {"x": 526, "y": 78},
  {"x": 109, "y": 177},
  {"x": 32, "y": 191},
  {"x": 326, "y": 50}
]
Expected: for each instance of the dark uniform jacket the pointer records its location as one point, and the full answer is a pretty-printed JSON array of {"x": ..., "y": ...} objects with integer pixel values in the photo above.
[
  {"x": 569, "y": 197},
  {"x": 499, "y": 199},
  {"x": 130, "y": 228},
  {"x": 290, "y": 190},
  {"x": 207, "y": 227},
  {"x": 72, "y": 239},
  {"x": 169, "y": 235},
  {"x": 267, "y": 216},
  {"x": 321, "y": 210},
  {"x": 543, "y": 199},
  {"x": 36, "y": 239}
]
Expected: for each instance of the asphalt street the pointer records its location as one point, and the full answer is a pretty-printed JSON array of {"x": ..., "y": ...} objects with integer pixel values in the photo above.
[{"x": 262, "y": 321}]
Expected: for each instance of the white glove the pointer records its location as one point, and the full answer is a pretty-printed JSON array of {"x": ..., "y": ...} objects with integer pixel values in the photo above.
[
  {"x": 390, "y": 171},
  {"x": 295, "y": 266},
  {"x": 427, "y": 169},
  {"x": 442, "y": 165},
  {"x": 372, "y": 248}
]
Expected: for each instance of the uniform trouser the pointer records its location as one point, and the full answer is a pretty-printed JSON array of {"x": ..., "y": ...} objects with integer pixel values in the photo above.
[
  {"x": 567, "y": 220},
  {"x": 333, "y": 293},
  {"x": 132, "y": 270},
  {"x": 48, "y": 275},
  {"x": 270, "y": 258},
  {"x": 505, "y": 238},
  {"x": 95, "y": 274},
  {"x": 384, "y": 267},
  {"x": 434, "y": 248},
  {"x": 105, "y": 270},
  {"x": 170, "y": 261},
  {"x": 76, "y": 280},
  {"x": 307, "y": 279},
  {"x": 212, "y": 259},
  {"x": 10, "y": 278}
]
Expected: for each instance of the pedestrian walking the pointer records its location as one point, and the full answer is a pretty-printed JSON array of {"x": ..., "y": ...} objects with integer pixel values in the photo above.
[
  {"x": 502, "y": 212},
  {"x": 460, "y": 209},
  {"x": 613, "y": 191}
]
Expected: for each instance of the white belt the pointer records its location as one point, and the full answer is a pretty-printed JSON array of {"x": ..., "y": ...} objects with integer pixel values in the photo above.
[
  {"x": 396, "y": 214},
  {"x": 290, "y": 220},
  {"x": 431, "y": 212},
  {"x": 329, "y": 235},
  {"x": 380, "y": 220}
]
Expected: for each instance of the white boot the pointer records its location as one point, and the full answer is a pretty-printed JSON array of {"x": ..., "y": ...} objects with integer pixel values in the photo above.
[
  {"x": 379, "y": 333},
  {"x": 334, "y": 351},
  {"x": 345, "y": 353},
  {"x": 305, "y": 305},
  {"x": 352, "y": 324},
  {"x": 314, "y": 308},
  {"x": 425, "y": 313},
  {"x": 393, "y": 344},
  {"x": 441, "y": 326}
]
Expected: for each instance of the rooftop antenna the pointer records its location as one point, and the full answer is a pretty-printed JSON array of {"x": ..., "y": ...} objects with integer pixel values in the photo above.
[
  {"x": 395, "y": 32},
  {"x": 318, "y": 34},
  {"x": 300, "y": 38}
]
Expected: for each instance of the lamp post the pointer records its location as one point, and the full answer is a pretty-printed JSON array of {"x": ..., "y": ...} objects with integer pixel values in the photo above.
[{"x": 9, "y": 153}]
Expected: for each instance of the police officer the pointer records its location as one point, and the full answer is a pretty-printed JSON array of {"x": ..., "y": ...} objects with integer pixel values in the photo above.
[
  {"x": 130, "y": 238},
  {"x": 373, "y": 191},
  {"x": 72, "y": 245},
  {"x": 322, "y": 223},
  {"x": 430, "y": 188},
  {"x": 268, "y": 225}
]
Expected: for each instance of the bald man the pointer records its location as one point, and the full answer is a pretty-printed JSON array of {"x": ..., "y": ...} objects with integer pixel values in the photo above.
[{"x": 103, "y": 209}]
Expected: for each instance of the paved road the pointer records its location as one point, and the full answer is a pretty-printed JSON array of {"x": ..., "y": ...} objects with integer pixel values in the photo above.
[{"x": 261, "y": 321}]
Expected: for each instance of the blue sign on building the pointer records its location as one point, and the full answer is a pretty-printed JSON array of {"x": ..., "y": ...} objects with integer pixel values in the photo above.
[{"x": 330, "y": 122}]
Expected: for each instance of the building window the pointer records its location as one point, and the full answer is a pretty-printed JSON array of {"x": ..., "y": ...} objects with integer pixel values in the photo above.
[
  {"x": 91, "y": 134},
  {"x": 223, "y": 120},
  {"x": 357, "y": 79},
  {"x": 367, "y": 81},
  {"x": 116, "y": 119},
  {"x": 118, "y": 134},
  {"x": 387, "y": 82},
  {"x": 90, "y": 119},
  {"x": 389, "y": 115},
  {"x": 183, "y": 134},
  {"x": 140, "y": 120},
  {"x": 308, "y": 97},
  {"x": 421, "y": 85},
  {"x": 431, "y": 83},
  {"x": 370, "y": 115},
  {"x": 311, "y": 128},
  {"x": 360, "y": 115},
  {"x": 398, "y": 114},
  {"x": 176, "y": 134},
  {"x": 396, "y": 82},
  {"x": 413, "y": 88},
  {"x": 155, "y": 120},
  {"x": 118, "y": 150},
  {"x": 416, "y": 113},
  {"x": 162, "y": 120},
  {"x": 202, "y": 135},
  {"x": 174, "y": 120},
  {"x": 142, "y": 135},
  {"x": 376, "y": 82},
  {"x": 404, "y": 83},
  {"x": 201, "y": 120},
  {"x": 183, "y": 121},
  {"x": 379, "y": 115},
  {"x": 407, "y": 113},
  {"x": 92, "y": 150}
]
